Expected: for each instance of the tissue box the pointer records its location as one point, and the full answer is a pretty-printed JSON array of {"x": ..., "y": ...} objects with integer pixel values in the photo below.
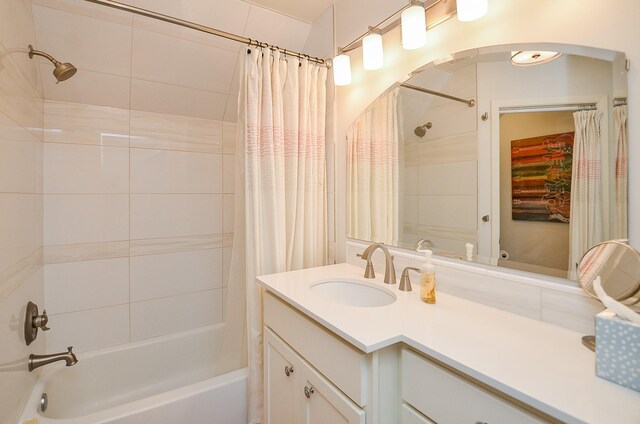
[{"x": 618, "y": 350}]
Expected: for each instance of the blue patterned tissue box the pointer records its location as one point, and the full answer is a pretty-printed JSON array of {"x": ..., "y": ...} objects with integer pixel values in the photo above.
[{"x": 618, "y": 350}]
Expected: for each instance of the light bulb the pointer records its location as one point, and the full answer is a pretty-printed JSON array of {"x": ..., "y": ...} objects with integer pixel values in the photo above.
[
  {"x": 341, "y": 70},
  {"x": 372, "y": 56},
  {"x": 414, "y": 28},
  {"x": 470, "y": 10}
]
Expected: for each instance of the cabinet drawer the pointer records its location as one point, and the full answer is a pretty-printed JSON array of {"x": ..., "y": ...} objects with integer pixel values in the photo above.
[
  {"x": 448, "y": 398},
  {"x": 336, "y": 359}
]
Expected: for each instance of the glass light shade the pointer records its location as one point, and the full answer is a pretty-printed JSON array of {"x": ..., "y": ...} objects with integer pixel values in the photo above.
[
  {"x": 372, "y": 52},
  {"x": 470, "y": 10},
  {"x": 531, "y": 58},
  {"x": 341, "y": 70},
  {"x": 414, "y": 28}
]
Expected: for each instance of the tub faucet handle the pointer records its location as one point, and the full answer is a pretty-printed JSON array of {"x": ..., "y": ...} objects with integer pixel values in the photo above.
[{"x": 40, "y": 321}]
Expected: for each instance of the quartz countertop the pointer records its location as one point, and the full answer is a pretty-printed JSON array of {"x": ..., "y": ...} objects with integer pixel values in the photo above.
[{"x": 535, "y": 362}]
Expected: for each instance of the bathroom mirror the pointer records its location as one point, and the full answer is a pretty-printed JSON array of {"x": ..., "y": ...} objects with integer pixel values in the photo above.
[
  {"x": 618, "y": 266},
  {"x": 487, "y": 147}
]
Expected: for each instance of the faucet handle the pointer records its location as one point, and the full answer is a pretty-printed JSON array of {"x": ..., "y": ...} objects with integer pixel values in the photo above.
[
  {"x": 40, "y": 321},
  {"x": 405, "y": 280},
  {"x": 368, "y": 271}
]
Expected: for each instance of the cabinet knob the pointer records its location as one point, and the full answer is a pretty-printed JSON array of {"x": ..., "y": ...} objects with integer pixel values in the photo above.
[
  {"x": 288, "y": 370},
  {"x": 309, "y": 390}
]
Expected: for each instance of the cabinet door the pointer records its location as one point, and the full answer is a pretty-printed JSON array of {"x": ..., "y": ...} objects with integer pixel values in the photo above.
[
  {"x": 324, "y": 403},
  {"x": 411, "y": 416},
  {"x": 279, "y": 396}
]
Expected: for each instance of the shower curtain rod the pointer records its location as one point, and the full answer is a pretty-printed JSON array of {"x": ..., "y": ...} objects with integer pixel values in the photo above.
[
  {"x": 203, "y": 28},
  {"x": 549, "y": 108},
  {"x": 470, "y": 103}
]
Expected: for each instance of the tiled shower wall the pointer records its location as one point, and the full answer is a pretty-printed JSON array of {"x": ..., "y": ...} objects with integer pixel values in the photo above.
[
  {"x": 21, "y": 277},
  {"x": 138, "y": 223}
]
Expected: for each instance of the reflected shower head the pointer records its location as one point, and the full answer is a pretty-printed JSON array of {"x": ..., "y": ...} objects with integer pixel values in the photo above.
[
  {"x": 422, "y": 129},
  {"x": 62, "y": 71}
]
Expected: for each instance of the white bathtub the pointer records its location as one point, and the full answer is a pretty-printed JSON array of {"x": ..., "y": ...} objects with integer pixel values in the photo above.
[{"x": 167, "y": 380}]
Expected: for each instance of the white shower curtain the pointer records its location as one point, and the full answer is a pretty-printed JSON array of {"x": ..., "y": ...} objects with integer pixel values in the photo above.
[
  {"x": 372, "y": 172},
  {"x": 622, "y": 143},
  {"x": 281, "y": 154},
  {"x": 586, "y": 187}
]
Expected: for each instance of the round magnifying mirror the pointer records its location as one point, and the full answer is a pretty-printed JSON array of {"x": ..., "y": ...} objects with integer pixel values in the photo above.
[{"x": 618, "y": 266}]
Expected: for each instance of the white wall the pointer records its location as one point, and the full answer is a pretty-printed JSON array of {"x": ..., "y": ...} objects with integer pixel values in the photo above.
[
  {"x": 21, "y": 278},
  {"x": 581, "y": 22}
]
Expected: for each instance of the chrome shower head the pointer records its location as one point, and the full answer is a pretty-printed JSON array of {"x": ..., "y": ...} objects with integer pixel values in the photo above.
[
  {"x": 62, "y": 71},
  {"x": 422, "y": 129}
]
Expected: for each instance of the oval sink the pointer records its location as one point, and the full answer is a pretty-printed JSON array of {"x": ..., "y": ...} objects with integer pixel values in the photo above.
[{"x": 353, "y": 293}]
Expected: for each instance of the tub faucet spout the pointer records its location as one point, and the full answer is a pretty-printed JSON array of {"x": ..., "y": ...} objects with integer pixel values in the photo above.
[{"x": 37, "y": 361}]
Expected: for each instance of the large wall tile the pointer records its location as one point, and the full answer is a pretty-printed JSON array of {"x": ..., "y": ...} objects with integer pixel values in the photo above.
[
  {"x": 152, "y": 130},
  {"x": 20, "y": 227},
  {"x": 170, "y": 60},
  {"x": 103, "y": 47},
  {"x": 85, "y": 218},
  {"x": 89, "y": 330},
  {"x": 77, "y": 123},
  {"x": 228, "y": 212},
  {"x": 171, "y": 274},
  {"x": 89, "y": 87},
  {"x": 176, "y": 100},
  {"x": 228, "y": 15},
  {"x": 164, "y": 171},
  {"x": 73, "y": 168},
  {"x": 449, "y": 178},
  {"x": 89, "y": 9},
  {"x": 229, "y": 135},
  {"x": 168, "y": 215},
  {"x": 448, "y": 211},
  {"x": 176, "y": 313},
  {"x": 76, "y": 286},
  {"x": 20, "y": 166},
  {"x": 228, "y": 173}
]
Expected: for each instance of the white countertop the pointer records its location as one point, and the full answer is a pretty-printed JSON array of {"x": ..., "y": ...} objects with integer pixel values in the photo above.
[{"x": 538, "y": 363}]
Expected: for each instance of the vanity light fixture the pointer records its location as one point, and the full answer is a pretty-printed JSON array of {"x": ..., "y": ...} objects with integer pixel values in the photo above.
[
  {"x": 532, "y": 58},
  {"x": 414, "y": 26},
  {"x": 341, "y": 69},
  {"x": 470, "y": 10},
  {"x": 372, "y": 53}
]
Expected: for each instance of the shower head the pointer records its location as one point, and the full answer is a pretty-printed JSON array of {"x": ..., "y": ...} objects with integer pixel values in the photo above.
[
  {"x": 62, "y": 71},
  {"x": 422, "y": 129}
]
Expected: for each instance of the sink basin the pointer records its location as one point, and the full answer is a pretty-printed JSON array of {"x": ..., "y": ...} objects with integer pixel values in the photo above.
[{"x": 353, "y": 293}]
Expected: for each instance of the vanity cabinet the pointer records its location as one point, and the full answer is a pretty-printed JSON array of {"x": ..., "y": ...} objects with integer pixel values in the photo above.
[
  {"x": 446, "y": 397},
  {"x": 295, "y": 393}
]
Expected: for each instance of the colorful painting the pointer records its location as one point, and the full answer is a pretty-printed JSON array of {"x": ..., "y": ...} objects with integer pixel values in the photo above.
[{"x": 541, "y": 178}]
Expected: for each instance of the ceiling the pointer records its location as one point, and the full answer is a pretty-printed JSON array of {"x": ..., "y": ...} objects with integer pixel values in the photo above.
[{"x": 306, "y": 11}]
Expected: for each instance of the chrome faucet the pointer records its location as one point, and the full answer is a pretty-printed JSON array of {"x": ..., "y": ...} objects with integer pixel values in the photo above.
[
  {"x": 37, "y": 361},
  {"x": 390, "y": 270}
]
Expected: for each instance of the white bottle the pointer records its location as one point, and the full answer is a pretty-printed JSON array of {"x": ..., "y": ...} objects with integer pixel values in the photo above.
[{"x": 427, "y": 279}]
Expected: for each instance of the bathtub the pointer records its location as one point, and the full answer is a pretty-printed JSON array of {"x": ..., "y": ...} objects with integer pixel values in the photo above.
[{"x": 167, "y": 380}]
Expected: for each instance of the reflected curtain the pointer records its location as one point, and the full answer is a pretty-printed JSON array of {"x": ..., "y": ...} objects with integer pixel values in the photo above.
[
  {"x": 586, "y": 187},
  {"x": 621, "y": 182},
  {"x": 373, "y": 172},
  {"x": 281, "y": 155}
]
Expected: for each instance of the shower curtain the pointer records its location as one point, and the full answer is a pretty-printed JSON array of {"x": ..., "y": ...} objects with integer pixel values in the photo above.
[
  {"x": 620, "y": 212},
  {"x": 372, "y": 172},
  {"x": 280, "y": 175},
  {"x": 586, "y": 226}
]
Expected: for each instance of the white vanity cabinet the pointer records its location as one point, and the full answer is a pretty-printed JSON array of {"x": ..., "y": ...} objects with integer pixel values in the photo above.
[
  {"x": 446, "y": 397},
  {"x": 295, "y": 393}
]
